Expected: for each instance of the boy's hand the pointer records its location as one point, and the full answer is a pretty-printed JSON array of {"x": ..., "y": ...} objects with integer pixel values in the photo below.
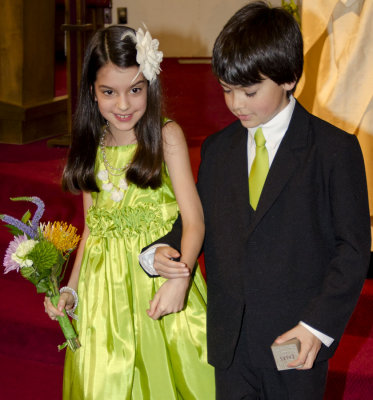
[
  {"x": 166, "y": 266},
  {"x": 66, "y": 301},
  {"x": 170, "y": 298},
  {"x": 310, "y": 346}
]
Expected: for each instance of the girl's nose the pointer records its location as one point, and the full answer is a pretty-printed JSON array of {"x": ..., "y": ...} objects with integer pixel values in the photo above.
[{"x": 122, "y": 103}]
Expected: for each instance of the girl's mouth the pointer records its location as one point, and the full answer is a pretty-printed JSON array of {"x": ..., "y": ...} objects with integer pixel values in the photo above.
[{"x": 123, "y": 118}]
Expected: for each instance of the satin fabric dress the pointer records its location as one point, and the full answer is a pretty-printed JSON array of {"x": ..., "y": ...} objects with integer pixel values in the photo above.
[{"x": 125, "y": 354}]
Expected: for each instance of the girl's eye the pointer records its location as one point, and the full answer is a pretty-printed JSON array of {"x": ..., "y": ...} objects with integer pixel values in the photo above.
[
  {"x": 108, "y": 92},
  {"x": 135, "y": 90}
]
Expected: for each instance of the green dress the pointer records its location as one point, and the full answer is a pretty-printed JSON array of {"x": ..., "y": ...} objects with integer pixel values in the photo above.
[{"x": 125, "y": 354}]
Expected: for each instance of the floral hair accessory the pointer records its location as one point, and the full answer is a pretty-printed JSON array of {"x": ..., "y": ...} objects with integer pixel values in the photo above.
[
  {"x": 40, "y": 252},
  {"x": 148, "y": 56}
]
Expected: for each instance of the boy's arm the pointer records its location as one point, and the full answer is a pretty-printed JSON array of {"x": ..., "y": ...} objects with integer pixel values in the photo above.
[
  {"x": 161, "y": 257},
  {"x": 330, "y": 311}
]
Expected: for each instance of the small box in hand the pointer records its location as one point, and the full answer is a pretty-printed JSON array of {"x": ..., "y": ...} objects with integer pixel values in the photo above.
[{"x": 285, "y": 353}]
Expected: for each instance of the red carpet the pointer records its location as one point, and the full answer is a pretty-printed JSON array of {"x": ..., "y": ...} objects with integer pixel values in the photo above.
[{"x": 30, "y": 366}]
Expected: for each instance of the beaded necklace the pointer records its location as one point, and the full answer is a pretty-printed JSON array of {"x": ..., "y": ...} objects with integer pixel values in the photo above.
[{"x": 116, "y": 191}]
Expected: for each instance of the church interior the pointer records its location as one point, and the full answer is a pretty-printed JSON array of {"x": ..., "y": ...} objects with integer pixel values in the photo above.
[{"x": 42, "y": 44}]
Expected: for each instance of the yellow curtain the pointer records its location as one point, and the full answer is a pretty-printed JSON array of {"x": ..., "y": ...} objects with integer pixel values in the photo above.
[{"x": 337, "y": 84}]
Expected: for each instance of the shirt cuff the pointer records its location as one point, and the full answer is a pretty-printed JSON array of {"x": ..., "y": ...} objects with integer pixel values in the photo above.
[
  {"x": 325, "y": 339},
  {"x": 146, "y": 259}
]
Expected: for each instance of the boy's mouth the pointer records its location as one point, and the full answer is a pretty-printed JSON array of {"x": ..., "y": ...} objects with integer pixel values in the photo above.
[{"x": 244, "y": 117}]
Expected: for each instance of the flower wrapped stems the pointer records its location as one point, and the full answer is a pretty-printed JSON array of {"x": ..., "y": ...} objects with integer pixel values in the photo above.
[
  {"x": 41, "y": 253},
  {"x": 68, "y": 330}
]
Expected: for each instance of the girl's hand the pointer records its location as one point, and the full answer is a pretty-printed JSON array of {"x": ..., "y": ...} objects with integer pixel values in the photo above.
[
  {"x": 170, "y": 298},
  {"x": 66, "y": 301}
]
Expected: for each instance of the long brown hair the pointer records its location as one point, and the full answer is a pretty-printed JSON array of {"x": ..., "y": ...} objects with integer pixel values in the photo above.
[{"x": 145, "y": 170}]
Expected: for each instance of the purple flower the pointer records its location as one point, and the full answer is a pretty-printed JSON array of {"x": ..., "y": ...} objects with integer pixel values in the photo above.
[
  {"x": 28, "y": 230},
  {"x": 9, "y": 263},
  {"x": 39, "y": 212}
]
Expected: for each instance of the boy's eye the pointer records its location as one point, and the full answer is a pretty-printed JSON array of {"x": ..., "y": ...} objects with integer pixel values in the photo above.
[
  {"x": 226, "y": 90},
  {"x": 252, "y": 94}
]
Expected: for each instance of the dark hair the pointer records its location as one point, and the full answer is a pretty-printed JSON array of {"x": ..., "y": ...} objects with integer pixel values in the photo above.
[
  {"x": 259, "y": 41},
  {"x": 145, "y": 170}
]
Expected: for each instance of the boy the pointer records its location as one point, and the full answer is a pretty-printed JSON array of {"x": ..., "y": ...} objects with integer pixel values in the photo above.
[{"x": 287, "y": 240}]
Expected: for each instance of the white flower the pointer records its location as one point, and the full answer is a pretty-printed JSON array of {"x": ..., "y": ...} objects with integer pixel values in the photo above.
[
  {"x": 148, "y": 56},
  {"x": 123, "y": 184},
  {"x": 107, "y": 186},
  {"x": 29, "y": 263},
  {"x": 103, "y": 175},
  {"x": 23, "y": 249},
  {"x": 117, "y": 195}
]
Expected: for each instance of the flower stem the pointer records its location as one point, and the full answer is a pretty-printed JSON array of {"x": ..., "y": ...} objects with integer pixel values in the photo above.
[{"x": 68, "y": 330}]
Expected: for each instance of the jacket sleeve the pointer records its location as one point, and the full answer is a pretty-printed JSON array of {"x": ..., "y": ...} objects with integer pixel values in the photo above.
[{"x": 330, "y": 311}]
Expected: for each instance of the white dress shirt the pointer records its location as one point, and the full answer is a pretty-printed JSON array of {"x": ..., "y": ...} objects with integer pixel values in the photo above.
[{"x": 273, "y": 132}]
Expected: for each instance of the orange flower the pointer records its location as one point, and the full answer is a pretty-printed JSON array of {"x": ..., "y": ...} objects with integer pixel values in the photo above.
[{"x": 63, "y": 236}]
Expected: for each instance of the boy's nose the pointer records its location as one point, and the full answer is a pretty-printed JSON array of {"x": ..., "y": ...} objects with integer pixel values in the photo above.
[{"x": 237, "y": 101}]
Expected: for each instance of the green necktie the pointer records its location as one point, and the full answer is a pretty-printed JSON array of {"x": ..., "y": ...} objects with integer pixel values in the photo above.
[{"x": 259, "y": 169}]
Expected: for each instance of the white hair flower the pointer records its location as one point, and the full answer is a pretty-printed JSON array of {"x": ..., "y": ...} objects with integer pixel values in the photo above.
[{"x": 148, "y": 56}]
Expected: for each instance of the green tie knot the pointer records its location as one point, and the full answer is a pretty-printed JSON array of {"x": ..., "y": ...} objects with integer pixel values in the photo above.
[
  {"x": 259, "y": 138},
  {"x": 259, "y": 168}
]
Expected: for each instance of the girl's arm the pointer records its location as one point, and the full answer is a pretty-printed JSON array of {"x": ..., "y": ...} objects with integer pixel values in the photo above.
[
  {"x": 171, "y": 296},
  {"x": 177, "y": 160},
  {"x": 66, "y": 299}
]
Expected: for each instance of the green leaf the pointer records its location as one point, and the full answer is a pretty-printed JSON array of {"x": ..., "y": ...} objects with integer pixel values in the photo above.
[
  {"x": 57, "y": 267},
  {"x": 26, "y": 217},
  {"x": 27, "y": 272},
  {"x": 42, "y": 286},
  {"x": 14, "y": 231},
  {"x": 30, "y": 274}
]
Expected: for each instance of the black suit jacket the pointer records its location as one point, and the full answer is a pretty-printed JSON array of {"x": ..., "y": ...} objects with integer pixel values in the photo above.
[{"x": 301, "y": 256}]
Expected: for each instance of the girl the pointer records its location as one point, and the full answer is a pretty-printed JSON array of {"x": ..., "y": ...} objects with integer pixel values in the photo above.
[{"x": 134, "y": 171}]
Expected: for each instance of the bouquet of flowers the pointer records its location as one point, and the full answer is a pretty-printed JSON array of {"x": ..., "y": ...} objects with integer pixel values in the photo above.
[{"x": 41, "y": 253}]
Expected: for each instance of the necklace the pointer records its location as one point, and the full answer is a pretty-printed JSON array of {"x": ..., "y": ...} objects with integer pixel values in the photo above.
[
  {"x": 116, "y": 191},
  {"x": 109, "y": 168}
]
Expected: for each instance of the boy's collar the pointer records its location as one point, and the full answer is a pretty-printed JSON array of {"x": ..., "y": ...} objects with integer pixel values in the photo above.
[{"x": 275, "y": 129}]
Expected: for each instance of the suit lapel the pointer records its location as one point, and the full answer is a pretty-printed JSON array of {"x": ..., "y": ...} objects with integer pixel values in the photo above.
[
  {"x": 284, "y": 164},
  {"x": 237, "y": 171}
]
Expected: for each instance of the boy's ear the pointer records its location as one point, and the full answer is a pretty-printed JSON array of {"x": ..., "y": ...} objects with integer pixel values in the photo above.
[{"x": 288, "y": 86}]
